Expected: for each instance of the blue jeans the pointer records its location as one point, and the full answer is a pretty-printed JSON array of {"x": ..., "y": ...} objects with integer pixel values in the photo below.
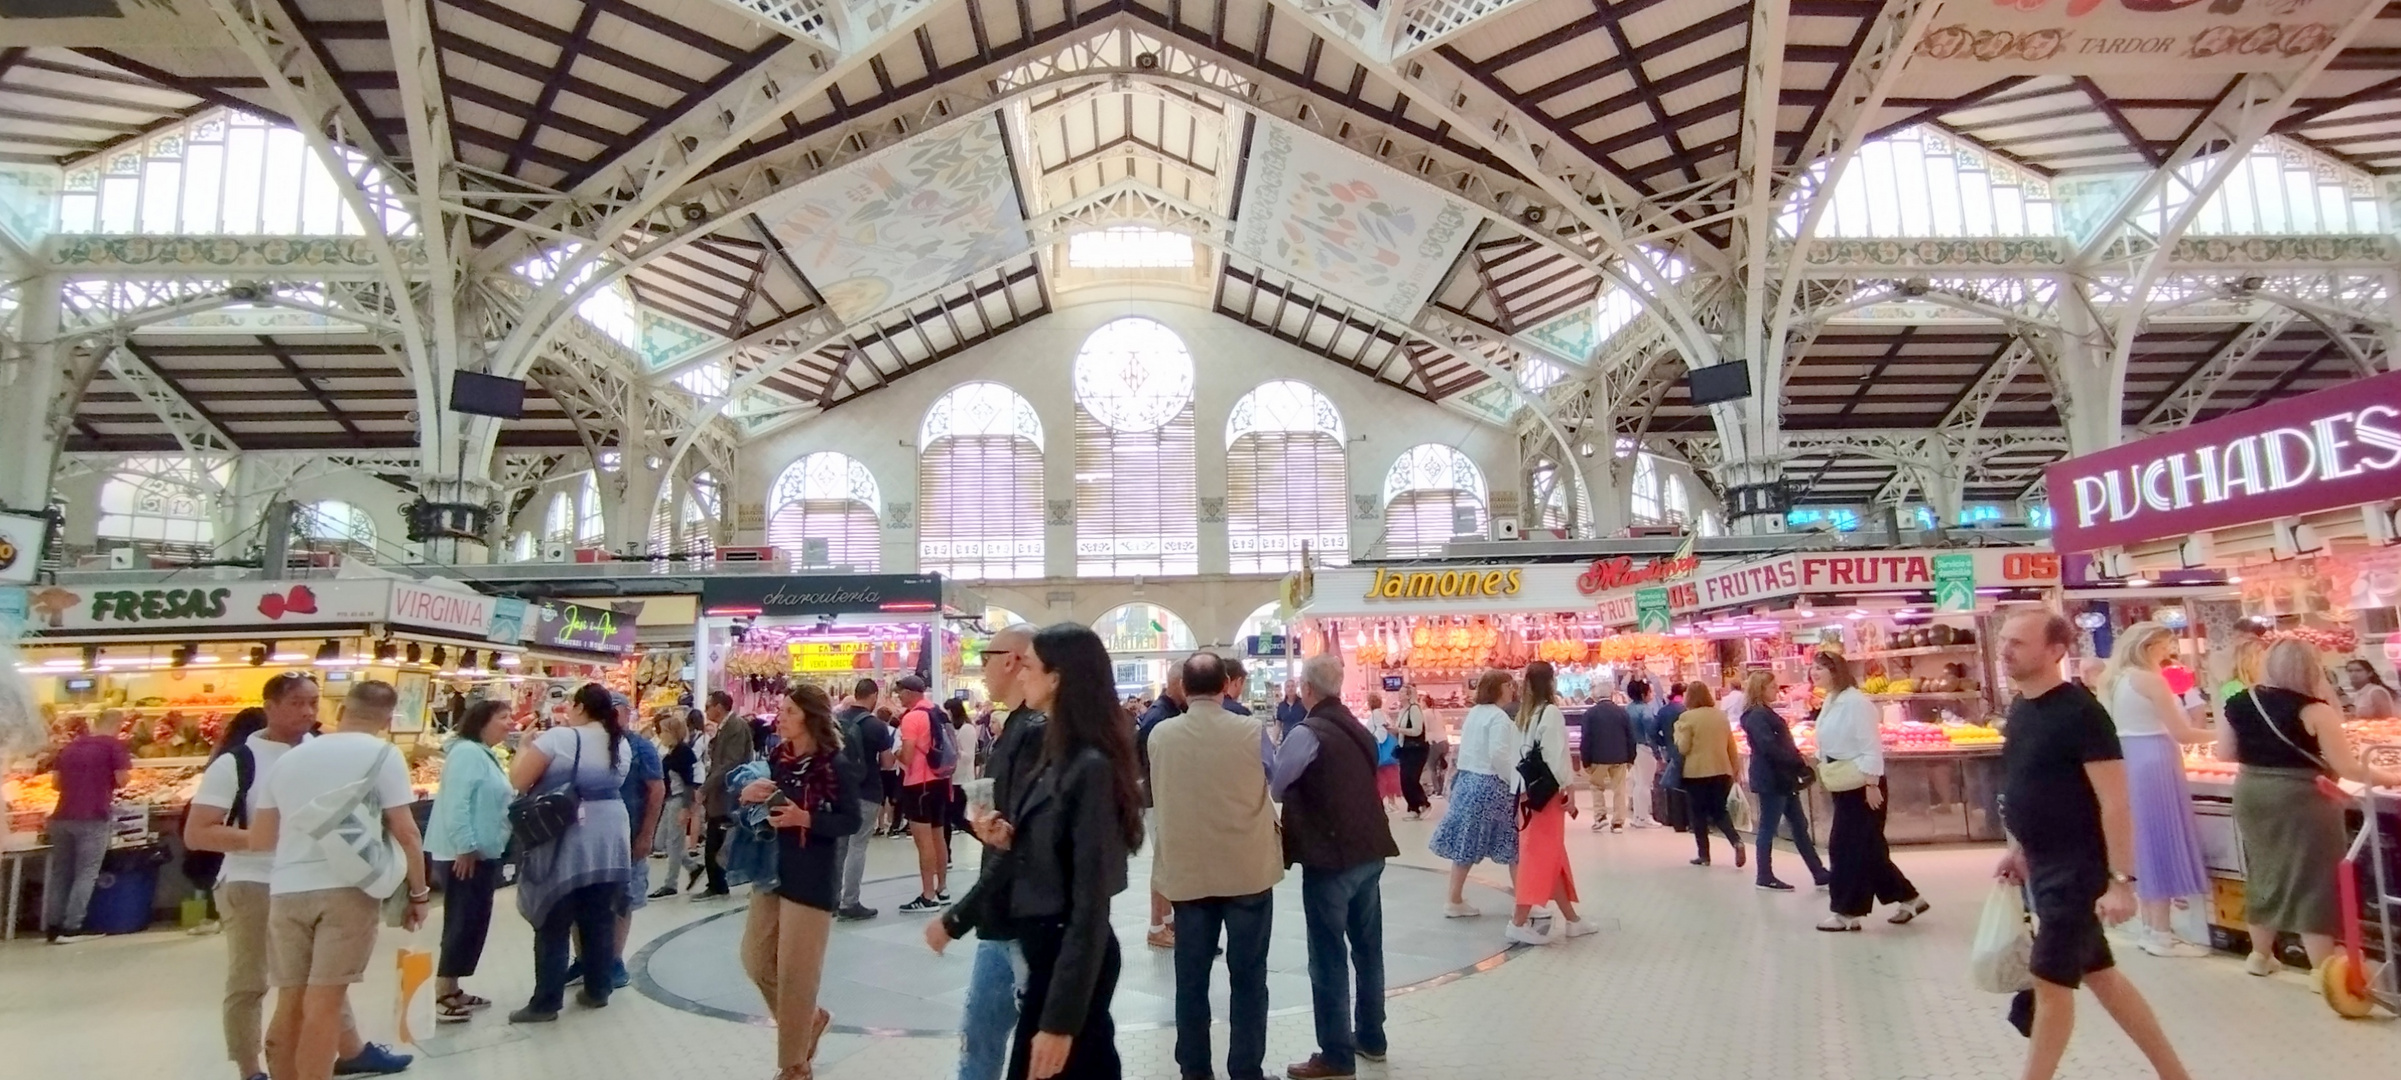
[
  {"x": 590, "y": 915},
  {"x": 991, "y": 1014},
  {"x": 1247, "y": 921},
  {"x": 1345, "y": 913},
  {"x": 1780, "y": 810}
]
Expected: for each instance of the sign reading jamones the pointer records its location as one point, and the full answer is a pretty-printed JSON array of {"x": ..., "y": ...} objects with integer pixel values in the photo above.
[{"x": 2335, "y": 448}]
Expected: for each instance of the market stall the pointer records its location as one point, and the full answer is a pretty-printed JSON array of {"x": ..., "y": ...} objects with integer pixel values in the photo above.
[
  {"x": 2294, "y": 501},
  {"x": 174, "y": 659},
  {"x": 758, "y": 634}
]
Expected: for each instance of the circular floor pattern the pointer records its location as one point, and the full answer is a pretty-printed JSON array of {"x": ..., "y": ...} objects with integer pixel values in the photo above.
[{"x": 880, "y": 979}]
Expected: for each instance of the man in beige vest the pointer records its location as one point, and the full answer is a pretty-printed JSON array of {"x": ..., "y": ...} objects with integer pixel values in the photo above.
[{"x": 1218, "y": 857}]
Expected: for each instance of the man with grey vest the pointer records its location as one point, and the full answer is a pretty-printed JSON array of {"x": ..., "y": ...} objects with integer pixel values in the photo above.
[
  {"x": 1217, "y": 859},
  {"x": 1334, "y": 830}
]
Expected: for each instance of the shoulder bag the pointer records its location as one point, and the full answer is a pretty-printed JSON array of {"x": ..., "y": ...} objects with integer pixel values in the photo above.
[
  {"x": 1843, "y": 775},
  {"x": 1541, "y": 784},
  {"x": 538, "y": 819}
]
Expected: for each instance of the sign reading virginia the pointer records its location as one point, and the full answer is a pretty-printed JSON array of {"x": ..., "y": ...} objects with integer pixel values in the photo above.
[{"x": 2087, "y": 37}]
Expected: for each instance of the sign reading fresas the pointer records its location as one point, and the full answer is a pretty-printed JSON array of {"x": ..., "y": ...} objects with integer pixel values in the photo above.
[
  {"x": 2337, "y": 447},
  {"x": 206, "y": 605},
  {"x": 582, "y": 627},
  {"x": 828, "y": 594}
]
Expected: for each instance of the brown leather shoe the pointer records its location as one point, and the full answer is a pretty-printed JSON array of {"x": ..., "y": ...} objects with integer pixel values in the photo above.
[{"x": 1316, "y": 1069}]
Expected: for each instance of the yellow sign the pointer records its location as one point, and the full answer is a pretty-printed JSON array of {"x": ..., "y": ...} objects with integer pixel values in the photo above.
[
  {"x": 808, "y": 656},
  {"x": 1443, "y": 584}
]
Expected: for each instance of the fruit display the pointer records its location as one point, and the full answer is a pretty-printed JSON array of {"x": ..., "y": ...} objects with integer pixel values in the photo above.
[
  {"x": 1971, "y": 735},
  {"x": 1912, "y": 737}
]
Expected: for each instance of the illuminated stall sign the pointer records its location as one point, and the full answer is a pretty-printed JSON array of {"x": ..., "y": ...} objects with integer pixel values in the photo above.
[
  {"x": 2323, "y": 451},
  {"x": 577, "y": 626},
  {"x": 825, "y": 594},
  {"x": 1836, "y": 573}
]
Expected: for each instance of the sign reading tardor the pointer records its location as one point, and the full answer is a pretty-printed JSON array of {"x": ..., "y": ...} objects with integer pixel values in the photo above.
[
  {"x": 2090, "y": 37},
  {"x": 2323, "y": 451}
]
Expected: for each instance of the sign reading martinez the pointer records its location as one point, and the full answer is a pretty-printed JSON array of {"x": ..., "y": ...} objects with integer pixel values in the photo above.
[{"x": 2337, "y": 447}]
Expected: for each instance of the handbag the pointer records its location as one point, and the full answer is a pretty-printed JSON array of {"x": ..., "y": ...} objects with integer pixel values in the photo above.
[
  {"x": 1845, "y": 775},
  {"x": 349, "y": 834},
  {"x": 1541, "y": 784},
  {"x": 535, "y": 820},
  {"x": 2325, "y": 769}
]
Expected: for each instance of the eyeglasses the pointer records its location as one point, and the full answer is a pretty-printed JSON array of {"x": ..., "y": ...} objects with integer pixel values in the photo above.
[{"x": 990, "y": 654}]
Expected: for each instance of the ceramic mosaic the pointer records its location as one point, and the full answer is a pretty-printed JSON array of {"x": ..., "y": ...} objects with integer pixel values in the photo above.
[
  {"x": 903, "y": 223},
  {"x": 1345, "y": 224}
]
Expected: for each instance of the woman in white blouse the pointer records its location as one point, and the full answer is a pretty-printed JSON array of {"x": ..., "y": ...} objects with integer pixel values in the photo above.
[
  {"x": 1860, "y": 861},
  {"x": 1481, "y": 822}
]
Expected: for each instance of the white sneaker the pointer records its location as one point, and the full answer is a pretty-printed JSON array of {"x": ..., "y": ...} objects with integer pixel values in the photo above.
[
  {"x": 1526, "y": 935},
  {"x": 1838, "y": 924},
  {"x": 1646, "y": 823},
  {"x": 2169, "y": 945},
  {"x": 1580, "y": 928},
  {"x": 1459, "y": 911},
  {"x": 1546, "y": 911},
  {"x": 2262, "y": 965}
]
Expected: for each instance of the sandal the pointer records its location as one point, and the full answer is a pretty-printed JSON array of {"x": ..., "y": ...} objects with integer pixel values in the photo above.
[{"x": 447, "y": 1011}]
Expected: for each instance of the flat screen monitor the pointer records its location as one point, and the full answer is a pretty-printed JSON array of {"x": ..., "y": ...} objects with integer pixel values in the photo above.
[
  {"x": 478, "y": 394},
  {"x": 1719, "y": 382}
]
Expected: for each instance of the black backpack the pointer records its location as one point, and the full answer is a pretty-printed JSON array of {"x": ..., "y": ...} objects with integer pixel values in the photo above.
[
  {"x": 201, "y": 867},
  {"x": 849, "y": 720}
]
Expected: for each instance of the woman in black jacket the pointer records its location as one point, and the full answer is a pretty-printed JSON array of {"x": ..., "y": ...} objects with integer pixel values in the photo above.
[
  {"x": 1070, "y": 831},
  {"x": 1778, "y": 775},
  {"x": 812, "y": 799}
]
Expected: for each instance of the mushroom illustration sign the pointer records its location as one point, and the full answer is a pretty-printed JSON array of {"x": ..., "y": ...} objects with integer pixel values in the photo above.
[{"x": 2092, "y": 37}]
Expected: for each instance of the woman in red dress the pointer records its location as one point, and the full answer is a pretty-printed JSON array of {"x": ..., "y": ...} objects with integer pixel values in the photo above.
[{"x": 1543, "y": 875}]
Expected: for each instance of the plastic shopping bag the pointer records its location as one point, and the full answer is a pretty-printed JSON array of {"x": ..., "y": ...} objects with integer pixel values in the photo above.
[{"x": 1998, "y": 959}]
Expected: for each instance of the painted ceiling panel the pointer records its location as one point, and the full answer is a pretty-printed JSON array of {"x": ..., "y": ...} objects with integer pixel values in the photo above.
[{"x": 1356, "y": 228}]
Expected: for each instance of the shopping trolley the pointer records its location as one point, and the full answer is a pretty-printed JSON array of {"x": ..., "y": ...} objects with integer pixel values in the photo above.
[{"x": 2353, "y": 987}]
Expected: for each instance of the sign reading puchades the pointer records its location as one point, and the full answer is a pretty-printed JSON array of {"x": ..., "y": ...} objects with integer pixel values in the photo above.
[
  {"x": 2335, "y": 448},
  {"x": 825, "y": 594},
  {"x": 559, "y": 624}
]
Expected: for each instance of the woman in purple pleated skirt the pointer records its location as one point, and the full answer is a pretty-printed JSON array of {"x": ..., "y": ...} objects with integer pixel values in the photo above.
[{"x": 2153, "y": 729}]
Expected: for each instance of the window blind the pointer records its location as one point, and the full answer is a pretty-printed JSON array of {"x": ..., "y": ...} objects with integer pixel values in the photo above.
[
  {"x": 852, "y": 535},
  {"x": 979, "y": 507},
  {"x": 1136, "y": 510},
  {"x": 1419, "y": 523},
  {"x": 1283, "y": 488}
]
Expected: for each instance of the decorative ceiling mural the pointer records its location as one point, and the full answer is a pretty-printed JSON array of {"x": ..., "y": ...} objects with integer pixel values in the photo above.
[
  {"x": 928, "y": 213},
  {"x": 1339, "y": 221},
  {"x": 1568, "y": 337},
  {"x": 666, "y": 339}
]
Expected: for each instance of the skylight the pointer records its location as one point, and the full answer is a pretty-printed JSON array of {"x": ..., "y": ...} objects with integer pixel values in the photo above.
[{"x": 1129, "y": 247}]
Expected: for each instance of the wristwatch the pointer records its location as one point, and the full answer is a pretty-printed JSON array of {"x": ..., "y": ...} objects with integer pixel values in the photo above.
[{"x": 2117, "y": 878}]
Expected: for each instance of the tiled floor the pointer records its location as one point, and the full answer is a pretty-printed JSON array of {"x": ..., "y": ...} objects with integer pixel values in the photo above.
[{"x": 1696, "y": 975}]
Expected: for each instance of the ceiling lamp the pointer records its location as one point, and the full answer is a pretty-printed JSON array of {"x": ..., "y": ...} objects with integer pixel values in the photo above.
[
  {"x": 258, "y": 655},
  {"x": 331, "y": 650},
  {"x": 415, "y": 655}
]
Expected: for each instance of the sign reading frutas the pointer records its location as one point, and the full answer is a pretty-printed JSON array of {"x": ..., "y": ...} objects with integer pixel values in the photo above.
[
  {"x": 2323, "y": 451},
  {"x": 2092, "y": 37}
]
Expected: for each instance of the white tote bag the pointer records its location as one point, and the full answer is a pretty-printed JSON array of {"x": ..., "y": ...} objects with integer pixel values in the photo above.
[
  {"x": 1999, "y": 959},
  {"x": 349, "y": 832}
]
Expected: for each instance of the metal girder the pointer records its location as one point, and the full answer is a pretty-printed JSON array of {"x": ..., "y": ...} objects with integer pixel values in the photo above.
[
  {"x": 193, "y": 426},
  {"x": 426, "y": 111},
  {"x": 632, "y": 200},
  {"x": 1975, "y": 404},
  {"x": 2191, "y": 394}
]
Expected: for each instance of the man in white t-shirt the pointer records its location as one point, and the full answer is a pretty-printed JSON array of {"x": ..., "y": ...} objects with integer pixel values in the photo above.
[
  {"x": 219, "y": 821},
  {"x": 320, "y": 930}
]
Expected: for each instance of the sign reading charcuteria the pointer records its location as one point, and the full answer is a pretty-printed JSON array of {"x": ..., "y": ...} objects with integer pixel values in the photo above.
[
  {"x": 2090, "y": 37},
  {"x": 2331, "y": 449}
]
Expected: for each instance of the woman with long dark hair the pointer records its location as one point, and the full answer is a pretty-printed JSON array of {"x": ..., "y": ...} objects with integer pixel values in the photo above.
[
  {"x": 1072, "y": 830},
  {"x": 575, "y": 885},
  {"x": 1860, "y": 861},
  {"x": 812, "y": 800},
  {"x": 466, "y": 837}
]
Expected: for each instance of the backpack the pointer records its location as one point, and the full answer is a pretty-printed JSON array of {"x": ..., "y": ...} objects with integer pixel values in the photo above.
[
  {"x": 202, "y": 867},
  {"x": 854, "y": 738},
  {"x": 350, "y": 835},
  {"x": 943, "y": 756}
]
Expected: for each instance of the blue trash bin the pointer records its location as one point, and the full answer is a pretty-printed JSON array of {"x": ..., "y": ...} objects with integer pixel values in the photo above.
[{"x": 122, "y": 897}]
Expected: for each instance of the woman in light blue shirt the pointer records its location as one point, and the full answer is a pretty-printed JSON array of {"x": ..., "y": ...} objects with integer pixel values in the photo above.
[{"x": 467, "y": 835}]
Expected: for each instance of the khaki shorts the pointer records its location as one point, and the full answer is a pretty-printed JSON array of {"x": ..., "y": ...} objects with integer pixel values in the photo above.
[
  {"x": 321, "y": 938},
  {"x": 1606, "y": 777}
]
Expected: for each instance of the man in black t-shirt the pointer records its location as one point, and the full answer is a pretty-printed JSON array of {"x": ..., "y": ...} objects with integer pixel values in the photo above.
[
  {"x": 868, "y": 742},
  {"x": 2071, "y": 837}
]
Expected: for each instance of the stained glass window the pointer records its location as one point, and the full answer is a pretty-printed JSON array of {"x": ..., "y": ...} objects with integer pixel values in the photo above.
[{"x": 1136, "y": 507}]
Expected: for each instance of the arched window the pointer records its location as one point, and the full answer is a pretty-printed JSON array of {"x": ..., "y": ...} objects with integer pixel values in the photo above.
[
  {"x": 1135, "y": 505},
  {"x": 338, "y": 523},
  {"x": 1432, "y": 494},
  {"x": 701, "y": 503},
  {"x": 979, "y": 485},
  {"x": 558, "y": 522},
  {"x": 1646, "y": 491},
  {"x": 164, "y": 500},
  {"x": 1551, "y": 484},
  {"x": 521, "y": 549},
  {"x": 589, "y": 525},
  {"x": 832, "y": 497},
  {"x": 1678, "y": 501},
  {"x": 1143, "y": 628},
  {"x": 1285, "y": 480}
]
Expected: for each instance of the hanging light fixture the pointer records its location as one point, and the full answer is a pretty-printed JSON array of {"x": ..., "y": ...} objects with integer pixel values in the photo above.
[
  {"x": 466, "y": 660},
  {"x": 258, "y": 655},
  {"x": 441, "y": 656},
  {"x": 415, "y": 655},
  {"x": 330, "y": 650},
  {"x": 385, "y": 650}
]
